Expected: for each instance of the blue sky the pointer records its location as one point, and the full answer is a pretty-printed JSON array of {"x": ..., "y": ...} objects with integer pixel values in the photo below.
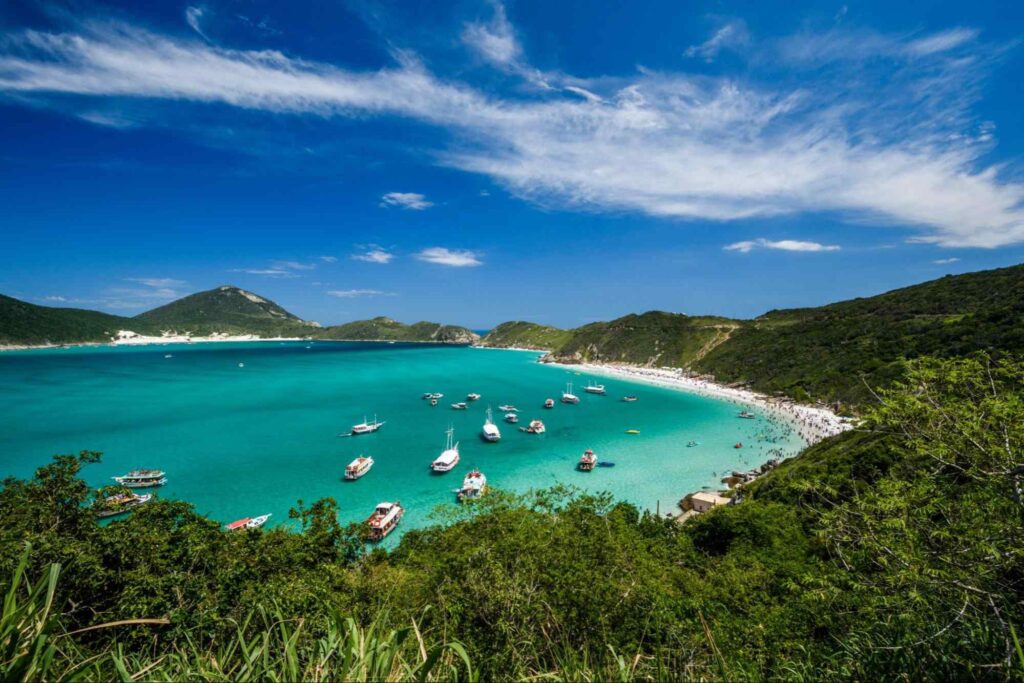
[{"x": 474, "y": 162}]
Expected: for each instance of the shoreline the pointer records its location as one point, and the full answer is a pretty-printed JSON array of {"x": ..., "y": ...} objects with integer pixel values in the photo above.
[
  {"x": 811, "y": 423},
  {"x": 151, "y": 341}
]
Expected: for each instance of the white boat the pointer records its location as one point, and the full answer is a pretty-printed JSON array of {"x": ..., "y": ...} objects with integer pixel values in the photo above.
[
  {"x": 241, "y": 365},
  {"x": 747, "y": 415},
  {"x": 490, "y": 430},
  {"x": 435, "y": 395},
  {"x": 358, "y": 467},
  {"x": 461, "y": 405},
  {"x": 472, "y": 397},
  {"x": 568, "y": 396},
  {"x": 508, "y": 408},
  {"x": 449, "y": 457},
  {"x": 536, "y": 427},
  {"x": 142, "y": 479},
  {"x": 587, "y": 461},
  {"x": 257, "y": 522},
  {"x": 167, "y": 355},
  {"x": 365, "y": 427},
  {"x": 549, "y": 403},
  {"x": 474, "y": 485},
  {"x": 384, "y": 519},
  {"x": 511, "y": 418},
  {"x": 594, "y": 389}
]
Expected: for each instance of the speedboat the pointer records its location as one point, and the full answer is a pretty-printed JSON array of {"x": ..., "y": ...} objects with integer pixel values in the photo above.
[
  {"x": 433, "y": 401},
  {"x": 508, "y": 408},
  {"x": 472, "y": 397},
  {"x": 461, "y": 405},
  {"x": 358, "y": 467},
  {"x": 587, "y": 461},
  {"x": 632, "y": 431},
  {"x": 490, "y": 431},
  {"x": 536, "y": 427},
  {"x": 629, "y": 399},
  {"x": 473, "y": 486},
  {"x": 747, "y": 415},
  {"x": 691, "y": 444},
  {"x": 142, "y": 479},
  {"x": 167, "y": 355},
  {"x": 365, "y": 427},
  {"x": 435, "y": 396},
  {"x": 568, "y": 396},
  {"x": 549, "y": 403},
  {"x": 511, "y": 418},
  {"x": 594, "y": 389},
  {"x": 449, "y": 457},
  {"x": 120, "y": 503},
  {"x": 248, "y": 523},
  {"x": 384, "y": 519}
]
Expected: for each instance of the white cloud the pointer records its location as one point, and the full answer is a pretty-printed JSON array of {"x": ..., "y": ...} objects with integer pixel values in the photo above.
[
  {"x": 732, "y": 35},
  {"x": 945, "y": 261},
  {"x": 902, "y": 147},
  {"x": 782, "y": 245},
  {"x": 54, "y": 298},
  {"x": 157, "y": 281},
  {"x": 292, "y": 265},
  {"x": 406, "y": 200},
  {"x": 193, "y": 15},
  {"x": 459, "y": 258},
  {"x": 495, "y": 41},
  {"x": 329, "y": 259},
  {"x": 374, "y": 254},
  {"x": 356, "y": 293},
  {"x": 266, "y": 272}
]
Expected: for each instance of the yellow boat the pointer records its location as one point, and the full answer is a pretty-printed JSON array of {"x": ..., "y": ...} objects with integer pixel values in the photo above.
[{"x": 632, "y": 431}]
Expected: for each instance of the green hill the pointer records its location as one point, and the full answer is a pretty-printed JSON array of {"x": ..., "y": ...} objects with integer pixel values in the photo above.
[
  {"x": 225, "y": 309},
  {"x": 837, "y": 352},
  {"x": 25, "y": 323},
  {"x": 526, "y": 335},
  {"x": 386, "y": 329}
]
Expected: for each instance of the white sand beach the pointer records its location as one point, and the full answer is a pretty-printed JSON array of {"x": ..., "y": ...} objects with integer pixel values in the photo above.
[{"x": 129, "y": 338}]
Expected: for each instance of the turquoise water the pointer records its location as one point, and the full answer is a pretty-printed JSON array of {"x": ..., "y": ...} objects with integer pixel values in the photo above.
[{"x": 242, "y": 441}]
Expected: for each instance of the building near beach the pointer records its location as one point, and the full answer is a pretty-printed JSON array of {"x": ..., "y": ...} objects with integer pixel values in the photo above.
[{"x": 703, "y": 501}]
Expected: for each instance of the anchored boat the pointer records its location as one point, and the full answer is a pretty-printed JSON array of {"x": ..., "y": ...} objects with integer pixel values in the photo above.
[
  {"x": 247, "y": 523},
  {"x": 142, "y": 479},
  {"x": 358, "y": 467},
  {"x": 120, "y": 503},
  {"x": 472, "y": 397},
  {"x": 549, "y": 403},
  {"x": 461, "y": 405},
  {"x": 587, "y": 461},
  {"x": 490, "y": 431},
  {"x": 511, "y": 418},
  {"x": 594, "y": 389},
  {"x": 536, "y": 427},
  {"x": 474, "y": 485},
  {"x": 508, "y": 408},
  {"x": 568, "y": 396},
  {"x": 365, "y": 427},
  {"x": 384, "y": 519},
  {"x": 449, "y": 457}
]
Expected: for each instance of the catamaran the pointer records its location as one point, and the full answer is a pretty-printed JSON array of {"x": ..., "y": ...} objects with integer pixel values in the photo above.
[
  {"x": 358, "y": 467},
  {"x": 594, "y": 389},
  {"x": 568, "y": 396},
  {"x": 365, "y": 427},
  {"x": 473, "y": 486},
  {"x": 449, "y": 457},
  {"x": 490, "y": 430},
  {"x": 247, "y": 523},
  {"x": 120, "y": 503},
  {"x": 384, "y": 519},
  {"x": 587, "y": 461},
  {"x": 142, "y": 479}
]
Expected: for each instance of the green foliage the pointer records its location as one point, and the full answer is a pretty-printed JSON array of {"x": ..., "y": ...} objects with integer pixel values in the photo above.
[
  {"x": 526, "y": 335},
  {"x": 25, "y": 323},
  {"x": 386, "y": 329},
  {"x": 225, "y": 309}
]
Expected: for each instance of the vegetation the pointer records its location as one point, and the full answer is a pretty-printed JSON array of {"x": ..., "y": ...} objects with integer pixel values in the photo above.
[
  {"x": 25, "y": 323},
  {"x": 225, "y": 309},
  {"x": 381, "y": 328},
  {"x": 893, "y": 552},
  {"x": 525, "y": 335}
]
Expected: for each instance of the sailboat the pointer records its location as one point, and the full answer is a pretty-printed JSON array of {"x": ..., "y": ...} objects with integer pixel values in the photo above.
[
  {"x": 449, "y": 457},
  {"x": 490, "y": 430},
  {"x": 365, "y": 427},
  {"x": 594, "y": 388},
  {"x": 568, "y": 396}
]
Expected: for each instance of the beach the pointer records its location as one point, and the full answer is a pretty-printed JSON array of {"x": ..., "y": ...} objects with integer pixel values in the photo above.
[{"x": 132, "y": 339}]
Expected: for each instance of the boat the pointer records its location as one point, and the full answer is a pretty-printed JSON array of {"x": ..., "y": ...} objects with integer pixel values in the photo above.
[
  {"x": 474, "y": 485},
  {"x": 384, "y": 519},
  {"x": 365, "y": 427},
  {"x": 738, "y": 445},
  {"x": 629, "y": 399},
  {"x": 433, "y": 401},
  {"x": 587, "y": 461},
  {"x": 511, "y": 418},
  {"x": 167, "y": 355},
  {"x": 449, "y": 457},
  {"x": 549, "y": 403},
  {"x": 142, "y": 479},
  {"x": 472, "y": 397},
  {"x": 536, "y": 427},
  {"x": 120, "y": 503},
  {"x": 358, "y": 467},
  {"x": 632, "y": 431},
  {"x": 461, "y": 405},
  {"x": 605, "y": 463},
  {"x": 427, "y": 395},
  {"x": 247, "y": 523},
  {"x": 490, "y": 431},
  {"x": 747, "y": 415},
  {"x": 507, "y": 408},
  {"x": 434, "y": 396},
  {"x": 568, "y": 396},
  {"x": 594, "y": 389},
  {"x": 241, "y": 365},
  {"x": 691, "y": 444}
]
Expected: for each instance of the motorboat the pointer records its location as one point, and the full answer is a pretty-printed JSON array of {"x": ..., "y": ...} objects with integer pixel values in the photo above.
[
  {"x": 474, "y": 485},
  {"x": 384, "y": 519},
  {"x": 536, "y": 427},
  {"x": 568, "y": 396},
  {"x": 490, "y": 430},
  {"x": 738, "y": 445},
  {"x": 511, "y": 418},
  {"x": 632, "y": 431},
  {"x": 247, "y": 523},
  {"x": 142, "y": 479},
  {"x": 587, "y": 461},
  {"x": 508, "y": 408},
  {"x": 691, "y": 444},
  {"x": 629, "y": 399},
  {"x": 747, "y": 415},
  {"x": 358, "y": 467},
  {"x": 365, "y": 427},
  {"x": 461, "y": 405},
  {"x": 549, "y": 403},
  {"x": 472, "y": 397},
  {"x": 449, "y": 457}
]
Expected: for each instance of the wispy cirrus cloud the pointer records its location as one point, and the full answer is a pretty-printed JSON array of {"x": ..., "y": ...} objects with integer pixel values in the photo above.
[
  {"x": 329, "y": 259},
  {"x": 292, "y": 265},
  {"x": 731, "y": 35},
  {"x": 405, "y": 200},
  {"x": 495, "y": 40},
  {"x": 945, "y": 261},
  {"x": 157, "y": 281},
  {"x": 780, "y": 245},
  {"x": 357, "y": 293},
  {"x": 458, "y": 258},
  {"x": 267, "y": 272},
  {"x": 902, "y": 147},
  {"x": 373, "y": 254}
]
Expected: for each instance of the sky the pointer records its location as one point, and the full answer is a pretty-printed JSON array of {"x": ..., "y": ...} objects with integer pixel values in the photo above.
[{"x": 475, "y": 162}]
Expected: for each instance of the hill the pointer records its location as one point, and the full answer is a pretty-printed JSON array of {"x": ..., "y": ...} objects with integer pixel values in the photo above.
[
  {"x": 526, "y": 335},
  {"x": 386, "y": 329},
  {"x": 841, "y": 351},
  {"x": 226, "y": 309},
  {"x": 25, "y": 323}
]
